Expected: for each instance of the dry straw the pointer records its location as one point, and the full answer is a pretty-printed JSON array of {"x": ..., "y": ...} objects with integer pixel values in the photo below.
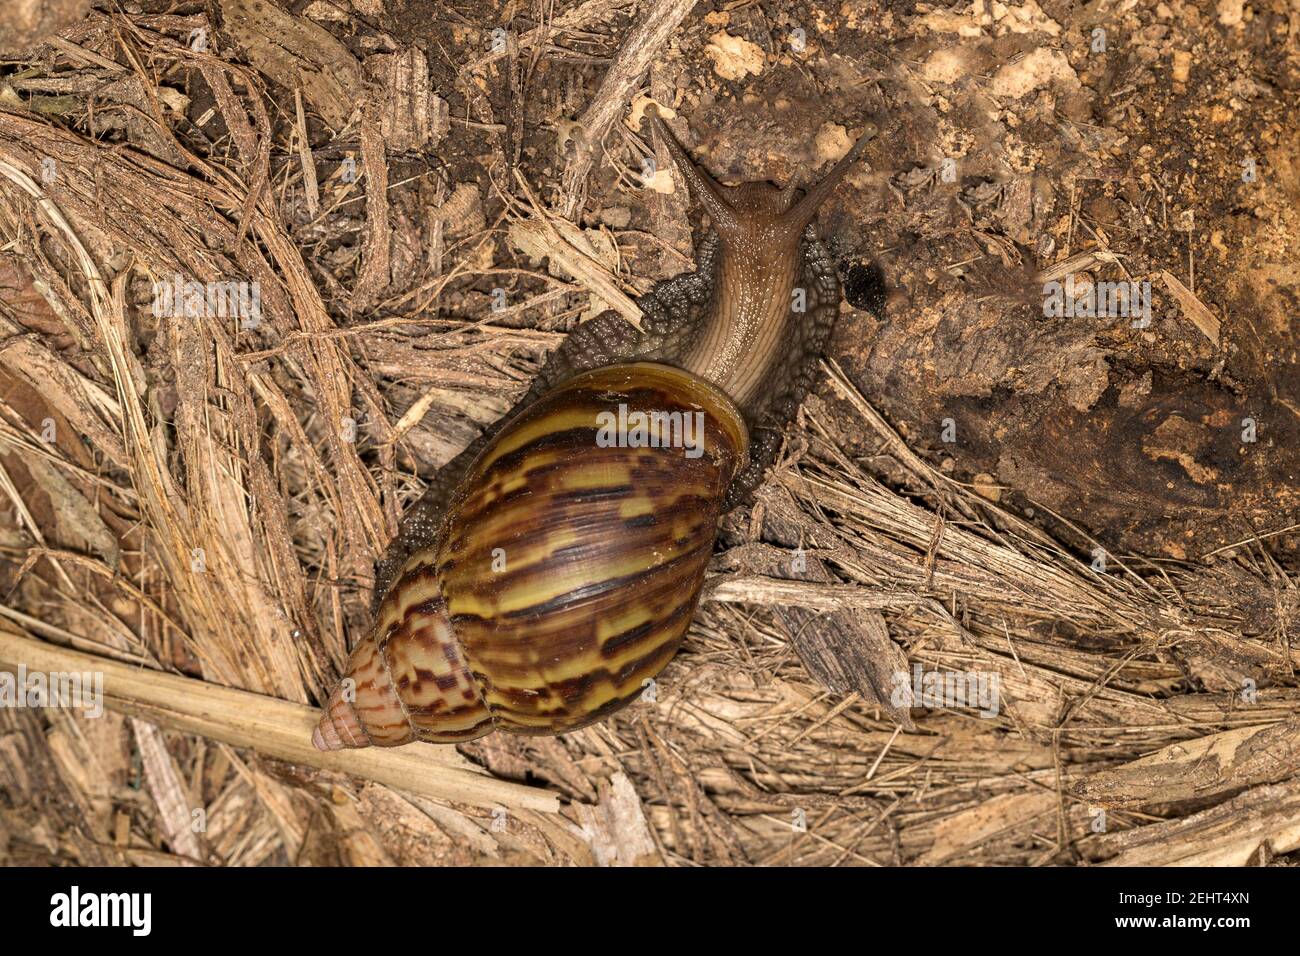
[{"x": 201, "y": 528}]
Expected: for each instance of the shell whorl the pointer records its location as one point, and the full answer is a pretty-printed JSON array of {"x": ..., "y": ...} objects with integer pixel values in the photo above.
[{"x": 565, "y": 574}]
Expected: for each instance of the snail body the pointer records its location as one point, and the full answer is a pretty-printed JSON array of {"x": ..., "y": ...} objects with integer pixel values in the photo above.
[{"x": 554, "y": 567}]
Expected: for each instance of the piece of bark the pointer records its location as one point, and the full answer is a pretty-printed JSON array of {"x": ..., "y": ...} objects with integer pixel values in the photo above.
[
  {"x": 1194, "y": 310},
  {"x": 357, "y": 845},
  {"x": 297, "y": 54},
  {"x": 67, "y": 390},
  {"x": 1207, "y": 767},
  {"x": 616, "y": 828},
  {"x": 1229, "y": 834},
  {"x": 375, "y": 273},
  {"x": 849, "y": 652},
  {"x": 846, "y": 650},
  {"x": 562, "y": 243},
  {"x": 411, "y": 115},
  {"x": 89, "y": 754},
  {"x": 965, "y": 830},
  {"x": 175, "y": 815},
  {"x": 76, "y": 520}
]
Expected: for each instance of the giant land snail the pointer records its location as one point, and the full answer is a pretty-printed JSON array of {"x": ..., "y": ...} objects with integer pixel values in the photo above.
[{"x": 555, "y": 565}]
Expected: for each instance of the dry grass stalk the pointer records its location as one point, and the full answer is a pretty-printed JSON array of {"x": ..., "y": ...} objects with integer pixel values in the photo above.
[{"x": 277, "y": 728}]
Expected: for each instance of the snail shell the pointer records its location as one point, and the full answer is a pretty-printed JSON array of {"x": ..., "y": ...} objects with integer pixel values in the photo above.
[{"x": 565, "y": 573}]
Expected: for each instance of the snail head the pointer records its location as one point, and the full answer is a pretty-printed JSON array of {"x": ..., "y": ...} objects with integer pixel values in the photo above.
[{"x": 756, "y": 211}]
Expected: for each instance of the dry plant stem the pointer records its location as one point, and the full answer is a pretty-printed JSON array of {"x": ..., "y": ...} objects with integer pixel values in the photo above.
[
  {"x": 1210, "y": 766},
  {"x": 274, "y": 727},
  {"x": 1259, "y": 821},
  {"x": 658, "y": 21},
  {"x": 549, "y": 236},
  {"x": 374, "y": 271},
  {"x": 756, "y": 589}
]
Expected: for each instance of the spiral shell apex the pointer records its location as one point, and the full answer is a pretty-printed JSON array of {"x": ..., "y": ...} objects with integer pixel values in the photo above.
[{"x": 566, "y": 571}]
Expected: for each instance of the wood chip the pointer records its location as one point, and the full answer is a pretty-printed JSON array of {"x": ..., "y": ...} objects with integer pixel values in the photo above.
[
  {"x": 1210, "y": 766},
  {"x": 616, "y": 827},
  {"x": 563, "y": 243},
  {"x": 411, "y": 115},
  {"x": 297, "y": 54},
  {"x": 1194, "y": 310},
  {"x": 164, "y": 781}
]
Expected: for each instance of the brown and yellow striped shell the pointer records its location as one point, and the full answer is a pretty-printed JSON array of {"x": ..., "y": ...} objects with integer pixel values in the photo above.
[{"x": 565, "y": 574}]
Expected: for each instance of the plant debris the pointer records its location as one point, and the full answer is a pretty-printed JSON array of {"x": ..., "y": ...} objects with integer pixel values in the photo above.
[{"x": 1023, "y": 589}]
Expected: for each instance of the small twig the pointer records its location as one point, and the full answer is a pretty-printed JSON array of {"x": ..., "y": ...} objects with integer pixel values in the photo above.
[
  {"x": 278, "y": 728},
  {"x": 658, "y": 21},
  {"x": 310, "y": 189}
]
